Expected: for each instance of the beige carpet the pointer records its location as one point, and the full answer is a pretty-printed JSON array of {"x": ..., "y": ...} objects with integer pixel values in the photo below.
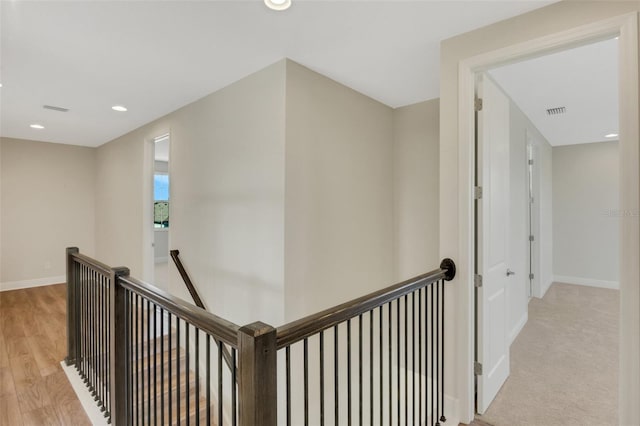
[{"x": 564, "y": 363}]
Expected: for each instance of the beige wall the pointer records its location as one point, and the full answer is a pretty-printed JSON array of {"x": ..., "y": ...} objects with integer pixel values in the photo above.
[
  {"x": 47, "y": 201},
  {"x": 339, "y": 193},
  {"x": 455, "y": 219},
  {"x": 227, "y": 197},
  {"x": 586, "y": 214},
  {"x": 415, "y": 188}
]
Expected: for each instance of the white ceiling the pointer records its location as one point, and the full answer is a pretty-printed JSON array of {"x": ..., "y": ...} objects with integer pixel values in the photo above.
[
  {"x": 584, "y": 80},
  {"x": 156, "y": 56}
]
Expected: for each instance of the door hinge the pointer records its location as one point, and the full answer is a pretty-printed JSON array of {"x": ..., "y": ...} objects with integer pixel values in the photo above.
[
  {"x": 531, "y": 238},
  {"x": 531, "y": 200},
  {"x": 477, "y": 280},
  {"x": 530, "y": 162},
  {"x": 531, "y": 276},
  {"x": 477, "y": 192},
  {"x": 477, "y": 368},
  {"x": 477, "y": 104}
]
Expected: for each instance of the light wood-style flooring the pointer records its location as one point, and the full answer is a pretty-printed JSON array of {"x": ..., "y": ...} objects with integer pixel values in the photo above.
[{"x": 33, "y": 388}]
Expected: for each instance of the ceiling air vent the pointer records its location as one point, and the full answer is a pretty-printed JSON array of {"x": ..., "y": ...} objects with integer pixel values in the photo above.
[
  {"x": 55, "y": 108},
  {"x": 556, "y": 111}
]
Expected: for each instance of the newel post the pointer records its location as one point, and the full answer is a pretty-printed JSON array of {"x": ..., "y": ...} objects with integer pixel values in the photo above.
[
  {"x": 72, "y": 326},
  {"x": 118, "y": 340},
  {"x": 257, "y": 382}
]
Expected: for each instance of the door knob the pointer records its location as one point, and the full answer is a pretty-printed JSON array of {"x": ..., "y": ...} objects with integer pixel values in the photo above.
[{"x": 510, "y": 272}]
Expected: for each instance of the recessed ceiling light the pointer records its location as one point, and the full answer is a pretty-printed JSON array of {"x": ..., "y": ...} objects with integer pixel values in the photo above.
[
  {"x": 37, "y": 126},
  {"x": 0, "y": 84},
  {"x": 611, "y": 135},
  {"x": 278, "y": 5},
  {"x": 119, "y": 108}
]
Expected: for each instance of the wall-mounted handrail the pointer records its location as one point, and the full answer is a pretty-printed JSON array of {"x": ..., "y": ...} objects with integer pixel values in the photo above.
[
  {"x": 175, "y": 255},
  {"x": 297, "y": 330},
  {"x": 185, "y": 277}
]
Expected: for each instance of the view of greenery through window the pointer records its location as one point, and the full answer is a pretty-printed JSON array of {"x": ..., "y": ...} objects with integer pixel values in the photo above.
[{"x": 161, "y": 200}]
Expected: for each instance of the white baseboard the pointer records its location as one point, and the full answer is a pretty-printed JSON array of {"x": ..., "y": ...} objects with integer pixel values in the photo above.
[
  {"x": 451, "y": 410},
  {"x": 586, "y": 282},
  {"x": 518, "y": 327},
  {"x": 39, "y": 282}
]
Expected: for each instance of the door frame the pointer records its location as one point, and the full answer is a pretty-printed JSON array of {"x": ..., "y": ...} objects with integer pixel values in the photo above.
[
  {"x": 148, "y": 232},
  {"x": 626, "y": 27}
]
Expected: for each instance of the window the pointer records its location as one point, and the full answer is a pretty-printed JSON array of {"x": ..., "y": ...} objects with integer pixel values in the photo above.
[{"x": 160, "y": 200}]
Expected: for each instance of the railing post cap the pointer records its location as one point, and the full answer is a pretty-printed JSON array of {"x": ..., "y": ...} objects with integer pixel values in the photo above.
[
  {"x": 256, "y": 329},
  {"x": 450, "y": 266},
  {"x": 73, "y": 250},
  {"x": 121, "y": 271}
]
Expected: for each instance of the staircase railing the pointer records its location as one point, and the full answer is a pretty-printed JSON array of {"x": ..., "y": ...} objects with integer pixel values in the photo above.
[{"x": 151, "y": 358}]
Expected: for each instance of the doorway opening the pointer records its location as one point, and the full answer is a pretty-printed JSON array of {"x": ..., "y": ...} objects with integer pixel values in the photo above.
[
  {"x": 161, "y": 209},
  {"x": 519, "y": 250}
]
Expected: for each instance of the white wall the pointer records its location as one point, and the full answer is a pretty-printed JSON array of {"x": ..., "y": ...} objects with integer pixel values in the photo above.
[
  {"x": 227, "y": 189},
  {"x": 47, "y": 201},
  {"x": 415, "y": 188},
  {"x": 339, "y": 185},
  {"x": 455, "y": 182},
  {"x": 586, "y": 214}
]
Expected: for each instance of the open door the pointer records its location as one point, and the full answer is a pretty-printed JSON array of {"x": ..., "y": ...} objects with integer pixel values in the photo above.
[{"x": 492, "y": 241}]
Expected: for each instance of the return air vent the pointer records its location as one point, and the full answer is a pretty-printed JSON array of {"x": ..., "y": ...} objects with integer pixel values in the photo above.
[
  {"x": 55, "y": 108},
  {"x": 556, "y": 111}
]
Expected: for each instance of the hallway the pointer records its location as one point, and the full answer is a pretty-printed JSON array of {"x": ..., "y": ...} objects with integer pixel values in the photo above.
[{"x": 564, "y": 363}]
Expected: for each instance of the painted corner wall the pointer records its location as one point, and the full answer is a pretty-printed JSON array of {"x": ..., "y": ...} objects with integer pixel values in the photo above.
[
  {"x": 586, "y": 214},
  {"x": 47, "y": 201},
  {"x": 416, "y": 135},
  {"x": 339, "y": 193},
  {"x": 227, "y": 197},
  {"x": 455, "y": 206}
]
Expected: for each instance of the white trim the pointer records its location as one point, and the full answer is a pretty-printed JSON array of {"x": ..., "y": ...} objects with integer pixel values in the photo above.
[
  {"x": 589, "y": 282},
  {"x": 518, "y": 327},
  {"x": 38, "y": 282},
  {"x": 93, "y": 412},
  {"x": 627, "y": 27}
]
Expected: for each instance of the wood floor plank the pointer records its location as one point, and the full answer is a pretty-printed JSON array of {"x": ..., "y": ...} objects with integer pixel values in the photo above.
[
  {"x": 10, "y": 321},
  {"x": 72, "y": 413},
  {"x": 58, "y": 386},
  {"x": 33, "y": 397},
  {"x": 45, "y": 416},
  {"x": 17, "y": 346},
  {"x": 25, "y": 372},
  {"x": 6, "y": 382},
  {"x": 4, "y": 357},
  {"x": 44, "y": 351},
  {"x": 9, "y": 411}
]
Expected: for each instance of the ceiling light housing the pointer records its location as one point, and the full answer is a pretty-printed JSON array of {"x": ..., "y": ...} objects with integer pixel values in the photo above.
[
  {"x": 278, "y": 5},
  {"x": 119, "y": 108},
  {"x": 37, "y": 126},
  {"x": 611, "y": 135}
]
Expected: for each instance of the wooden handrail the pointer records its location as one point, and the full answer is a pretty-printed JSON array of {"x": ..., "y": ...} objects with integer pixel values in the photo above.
[
  {"x": 217, "y": 327},
  {"x": 295, "y": 331},
  {"x": 185, "y": 277}
]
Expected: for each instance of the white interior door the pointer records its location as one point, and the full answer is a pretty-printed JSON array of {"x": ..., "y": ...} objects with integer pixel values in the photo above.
[{"x": 492, "y": 241}]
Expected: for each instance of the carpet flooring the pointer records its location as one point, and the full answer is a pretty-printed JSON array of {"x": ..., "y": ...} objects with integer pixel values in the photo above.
[{"x": 564, "y": 362}]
